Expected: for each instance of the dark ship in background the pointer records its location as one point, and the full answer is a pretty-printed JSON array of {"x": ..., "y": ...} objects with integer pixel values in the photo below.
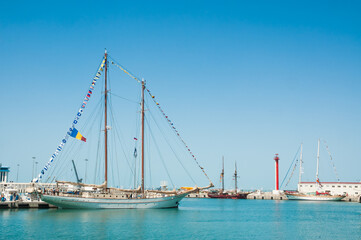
[{"x": 228, "y": 195}]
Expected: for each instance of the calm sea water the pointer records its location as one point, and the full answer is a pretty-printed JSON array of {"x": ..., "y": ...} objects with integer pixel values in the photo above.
[{"x": 195, "y": 219}]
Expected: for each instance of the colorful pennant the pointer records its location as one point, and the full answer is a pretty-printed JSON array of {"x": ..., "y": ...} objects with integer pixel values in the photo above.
[{"x": 76, "y": 134}]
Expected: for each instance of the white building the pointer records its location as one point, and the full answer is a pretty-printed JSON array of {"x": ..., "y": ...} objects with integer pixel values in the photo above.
[
  {"x": 4, "y": 173},
  {"x": 349, "y": 188}
]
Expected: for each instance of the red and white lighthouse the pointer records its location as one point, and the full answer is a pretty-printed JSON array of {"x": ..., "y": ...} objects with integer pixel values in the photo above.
[{"x": 276, "y": 158}]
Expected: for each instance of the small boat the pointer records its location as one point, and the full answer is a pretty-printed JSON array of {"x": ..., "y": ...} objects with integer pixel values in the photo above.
[
  {"x": 319, "y": 195},
  {"x": 228, "y": 195},
  {"x": 91, "y": 196}
]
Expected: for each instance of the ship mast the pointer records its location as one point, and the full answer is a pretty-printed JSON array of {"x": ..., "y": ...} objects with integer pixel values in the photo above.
[
  {"x": 105, "y": 122},
  {"x": 222, "y": 174},
  {"x": 300, "y": 176},
  {"x": 318, "y": 160},
  {"x": 142, "y": 116},
  {"x": 235, "y": 177}
]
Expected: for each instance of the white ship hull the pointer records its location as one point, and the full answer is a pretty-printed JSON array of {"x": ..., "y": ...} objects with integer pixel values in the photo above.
[
  {"x": 306, "y": 197},
  {"x": 99, "y": 203}
]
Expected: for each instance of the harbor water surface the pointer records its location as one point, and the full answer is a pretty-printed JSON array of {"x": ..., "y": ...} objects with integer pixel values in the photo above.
[{"x": 194, "y": 219}]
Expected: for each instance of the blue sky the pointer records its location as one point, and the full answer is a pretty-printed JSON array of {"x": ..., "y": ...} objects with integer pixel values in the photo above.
[{"x": 241, "y": 79}]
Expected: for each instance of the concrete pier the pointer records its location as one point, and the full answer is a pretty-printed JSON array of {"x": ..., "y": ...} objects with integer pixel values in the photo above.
[
  {"x": 270, "y": 196},
  {"x": 267, "y": 196},
  {"x": 352, "y": 199}
]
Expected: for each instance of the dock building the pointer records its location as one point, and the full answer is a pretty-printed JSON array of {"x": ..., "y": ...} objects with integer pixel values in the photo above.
[{"x": 4, "y": 173}]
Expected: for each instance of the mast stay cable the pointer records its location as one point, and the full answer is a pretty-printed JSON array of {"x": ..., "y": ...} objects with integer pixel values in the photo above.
[
  {"x": 332, "y": 161},
  {"x": 170, "y": 123},
  {"x": 295, "y": 158},
  {"x": 168, "y": 143}
]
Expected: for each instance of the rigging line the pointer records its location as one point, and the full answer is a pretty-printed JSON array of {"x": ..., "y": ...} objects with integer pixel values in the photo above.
[
  {"x": 160, "y": 155},
  {"x": 171, "y": 125},
  {"x": 66, "y": 137},
  {"x": 97, "y": 157},
  {"x": 135, "y": 154},
  {"x": 60, "y": 162},
  {"x": 115, "y": 161},
  {"x": 132, "y": 76},
  {"x": 150, "y": 165},
  {"x": 97, "y": 112},
  {"x": 293, "y": 170},
  {"x": 291, "y": 165},
  {"x": 112, "y": 160},
  {"x": 111, "y": 157},
  {"x": 332, "y": 162},
  {"x": 60, "y": 165},
  {"x": 137, "y": 133},
  {"x": 112, "y": 152},
  {"x": 80, "y": 145},
  {"x": 118, "y": 135},
  {"x": 149, "y": 158},
  {"x": 91, "y": 122},
  {"x": 52, "y": 174},
  {"x": 114, "y": 141},
  {"x": 124, "y": 70},
  {"x": 66, "y": 160},
  {"x": 168, "y": 143},
  {"x": 59, "y": 169},
  {"x": 129, "y": 100}
]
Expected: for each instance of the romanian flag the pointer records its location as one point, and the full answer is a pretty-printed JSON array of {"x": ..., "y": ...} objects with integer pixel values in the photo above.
[{"x": 75, "y": 134}]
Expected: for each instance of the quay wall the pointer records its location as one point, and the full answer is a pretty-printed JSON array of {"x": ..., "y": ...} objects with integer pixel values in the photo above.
[{"x": 20, "y": 204}]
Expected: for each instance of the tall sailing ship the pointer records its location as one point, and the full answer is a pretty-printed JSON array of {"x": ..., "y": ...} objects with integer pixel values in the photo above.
[
  {"x": 229, "y": 195},
  {"x": 318, "y": 195},
  {"x": 92, "y": 196}
]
